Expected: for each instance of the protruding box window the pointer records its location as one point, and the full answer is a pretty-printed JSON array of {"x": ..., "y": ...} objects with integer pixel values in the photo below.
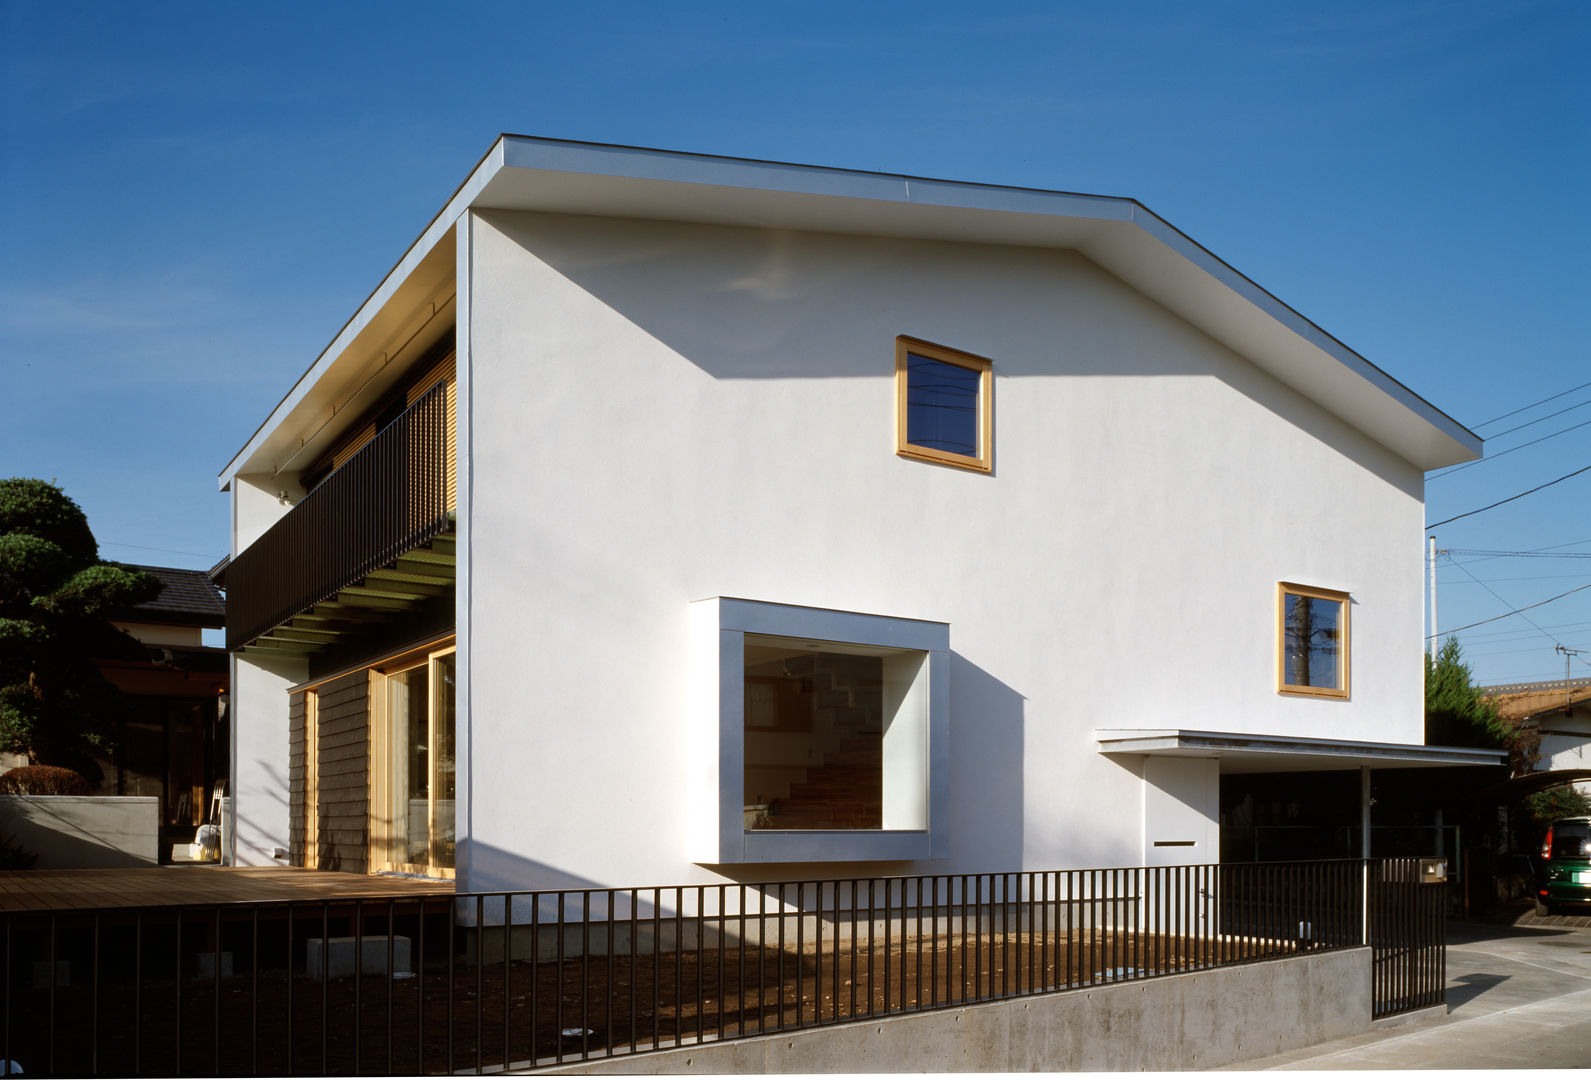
[
  {"x": 823, "y": 734},
  {"x": 1312, "y": 635},
  {"x": 944, "y": 405}
]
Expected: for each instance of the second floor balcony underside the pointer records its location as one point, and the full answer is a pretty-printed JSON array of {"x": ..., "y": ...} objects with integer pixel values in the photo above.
[{"x": 373, "y": 541}]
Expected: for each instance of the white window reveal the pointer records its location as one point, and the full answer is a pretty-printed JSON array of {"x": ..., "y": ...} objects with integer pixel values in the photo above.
[{"x": 821, "y": 735}]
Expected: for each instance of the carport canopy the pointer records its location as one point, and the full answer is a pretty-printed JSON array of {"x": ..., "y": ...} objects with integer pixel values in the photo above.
[{"x": 1240, "y": 752}]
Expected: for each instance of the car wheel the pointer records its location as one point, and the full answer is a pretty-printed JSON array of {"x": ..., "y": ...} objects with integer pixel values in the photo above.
[{"x": 1543, "y": 908}]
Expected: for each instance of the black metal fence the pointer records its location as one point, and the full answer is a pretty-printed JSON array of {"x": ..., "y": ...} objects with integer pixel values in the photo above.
[
  {"x": 484, "y": 982},
  {"x": 388, "y": 499}
]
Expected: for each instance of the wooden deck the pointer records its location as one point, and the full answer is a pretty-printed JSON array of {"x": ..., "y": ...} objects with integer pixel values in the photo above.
[{"x": 53, "y": 890}]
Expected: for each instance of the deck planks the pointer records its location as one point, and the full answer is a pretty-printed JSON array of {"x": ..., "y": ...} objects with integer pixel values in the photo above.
[{"x": 64, "y": 890}]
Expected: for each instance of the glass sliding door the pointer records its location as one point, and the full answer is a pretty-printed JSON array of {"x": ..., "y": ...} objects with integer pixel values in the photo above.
[{"x": 418, "y": 720}]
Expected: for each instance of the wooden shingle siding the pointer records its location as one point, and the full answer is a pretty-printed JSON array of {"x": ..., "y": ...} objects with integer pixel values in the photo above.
[
  {"x": 295, "y": 779},
  {"x": 344, "y": 762}
]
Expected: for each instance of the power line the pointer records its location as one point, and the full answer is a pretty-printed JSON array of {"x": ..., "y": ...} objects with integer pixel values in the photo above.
[
  {"x": 1511, "y": 498},
  {"x": 1532, "y": 553},
  {"x": 172, "y": 551},
  {"x": 1504, "y": 453},
  {"x": 1516, "y": 611},
  {"x": 1494, "y": 592},
  {"x": 1532, "y": 405},
  {"x": 1527, "y": 577},
  {"x": 1539, "y": 419}
]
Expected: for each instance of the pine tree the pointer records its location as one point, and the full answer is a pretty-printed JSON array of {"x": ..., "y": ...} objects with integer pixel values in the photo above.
[{"x": 55, "y": 595}]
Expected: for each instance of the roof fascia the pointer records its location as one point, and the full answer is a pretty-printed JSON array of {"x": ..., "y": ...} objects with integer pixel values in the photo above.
[{"x": 434, "y": 232}]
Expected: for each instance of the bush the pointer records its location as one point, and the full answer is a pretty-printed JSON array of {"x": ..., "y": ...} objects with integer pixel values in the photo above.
[
  {"x": 1557, "y": 802},
  {"x": 44, "y": 780}
]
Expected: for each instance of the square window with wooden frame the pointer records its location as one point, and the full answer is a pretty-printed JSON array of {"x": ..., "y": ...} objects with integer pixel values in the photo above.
[
  {"x": 944, "y": 405},
  {"x": 1312, "y": 641}
]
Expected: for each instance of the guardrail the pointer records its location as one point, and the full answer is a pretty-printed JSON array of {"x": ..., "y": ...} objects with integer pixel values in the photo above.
[
  {"x": 494, "y": 981},
  {"x": 388, "y": 499}
]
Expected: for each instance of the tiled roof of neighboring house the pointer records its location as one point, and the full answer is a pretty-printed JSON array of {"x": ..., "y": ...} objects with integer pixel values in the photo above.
[
  {"x": 188, "y": 598},
  {"x": 1527, "y": 699}
]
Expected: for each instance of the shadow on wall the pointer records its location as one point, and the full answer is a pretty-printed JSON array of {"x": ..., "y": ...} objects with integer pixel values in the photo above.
[
  {"x": 984, "y": 812},
  {"x": 247, "y": 825},
  {"x": 742, "y": 303}
]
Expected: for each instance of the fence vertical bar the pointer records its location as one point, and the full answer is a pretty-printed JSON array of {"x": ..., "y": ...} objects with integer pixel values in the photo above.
[
  {"x": 392, "y": 918},
  {"x": 657, "y": 966},
  {"x": 613, "y": 923},
  {"x": 779, "y": 995},
  {"x": 834, "y": 965},
  {"x": 215, "y": 1033},
  {"x": 635, "y": 962},
  {"x": 762, "y": 959},
  {"x": 585, "y": 974},
  {"x": 851, "y": 950},
  {"x": 889, "y": 963},
  {"x": 359, "y": 971},
  {"x": 508, "y": 973},
  {"x": 6, "y": 1020},
  {"x": 176, "y": 981},
  {"x": 419, "y": 981},
  {"x": 325, "y": 980},
  {"x": 701, "y": 961},
  {"x": 557, "y": 997},
  {"x": 722, "y": 907},
  {"x": 917, "y": 969},
  {"x": 872, "y": 915},
  {"x": 290, "y": 1044},
  {"x": 254, "y": 995},
  {"x": 740, "y": 964},
  {"x": 801, "y": 952}
]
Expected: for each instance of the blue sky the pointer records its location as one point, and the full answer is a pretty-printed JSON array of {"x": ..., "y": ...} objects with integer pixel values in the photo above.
[{"x": 195, "y": 197}]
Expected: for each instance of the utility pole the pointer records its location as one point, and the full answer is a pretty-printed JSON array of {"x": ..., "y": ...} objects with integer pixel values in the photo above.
[
  {"x": 1430, "y": 642},
  {"x": 1568, "y": 654}
]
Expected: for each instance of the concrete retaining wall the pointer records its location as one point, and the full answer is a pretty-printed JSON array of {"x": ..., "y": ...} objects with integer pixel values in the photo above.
[
  {"x": 1193, "y": 1021},
  {"x": 84, "y": 831}
]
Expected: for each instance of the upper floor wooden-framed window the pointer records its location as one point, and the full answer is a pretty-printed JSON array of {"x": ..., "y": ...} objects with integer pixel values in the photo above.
[
  {"x": 944, "y": 405},
  {"x": 1312, "y": 641}
]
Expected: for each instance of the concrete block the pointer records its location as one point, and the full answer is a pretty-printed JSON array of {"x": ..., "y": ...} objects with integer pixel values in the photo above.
[
  {"x": 41, "y": 974},
  {"x": 335, "y": 956},
  {"x": 207, "y": 965}
]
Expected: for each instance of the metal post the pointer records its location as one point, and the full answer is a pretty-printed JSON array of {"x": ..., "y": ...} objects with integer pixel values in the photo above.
[
  {"x": 1364, "y": 850},
  {"x": 1430, "y": 642}
]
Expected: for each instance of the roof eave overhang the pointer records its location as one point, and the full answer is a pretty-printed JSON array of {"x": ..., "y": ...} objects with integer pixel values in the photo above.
[
  {"x": 557, "y": 176},
  {"x": 1244, "y": 752}
]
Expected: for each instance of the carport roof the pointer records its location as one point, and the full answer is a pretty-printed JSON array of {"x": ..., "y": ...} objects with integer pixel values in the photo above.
[{"x": 1241, "y": 752}]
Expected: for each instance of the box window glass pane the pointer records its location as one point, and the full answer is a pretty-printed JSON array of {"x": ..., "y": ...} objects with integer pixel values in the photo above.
[{"x": 814, "y": 732}]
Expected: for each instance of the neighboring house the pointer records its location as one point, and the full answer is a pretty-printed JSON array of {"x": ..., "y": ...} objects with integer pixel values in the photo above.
[
  {"x": 666, "y": 518},
  {"x": 1561, "y": 712},
  {"x": 171, "y": 741}
]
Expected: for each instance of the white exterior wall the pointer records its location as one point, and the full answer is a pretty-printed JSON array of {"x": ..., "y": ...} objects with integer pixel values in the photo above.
[
  {"x": 661, "y": 413},
  {"x": 259, "y": 757}
]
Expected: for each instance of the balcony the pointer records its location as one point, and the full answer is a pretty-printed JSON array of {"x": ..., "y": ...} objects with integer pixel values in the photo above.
[{"x": 373, "y": 540}]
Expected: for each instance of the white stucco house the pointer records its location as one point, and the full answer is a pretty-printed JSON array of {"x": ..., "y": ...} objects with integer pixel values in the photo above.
[{"x": 671, "y": 518}]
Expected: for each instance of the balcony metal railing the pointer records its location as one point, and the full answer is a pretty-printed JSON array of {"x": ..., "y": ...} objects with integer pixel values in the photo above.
[
  {"x": 497, "y": 981},
  {"x": 389, "y": 498}
]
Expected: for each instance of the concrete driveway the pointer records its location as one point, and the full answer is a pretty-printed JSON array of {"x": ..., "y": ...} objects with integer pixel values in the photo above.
[{"x": 1518, "y": 997}]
